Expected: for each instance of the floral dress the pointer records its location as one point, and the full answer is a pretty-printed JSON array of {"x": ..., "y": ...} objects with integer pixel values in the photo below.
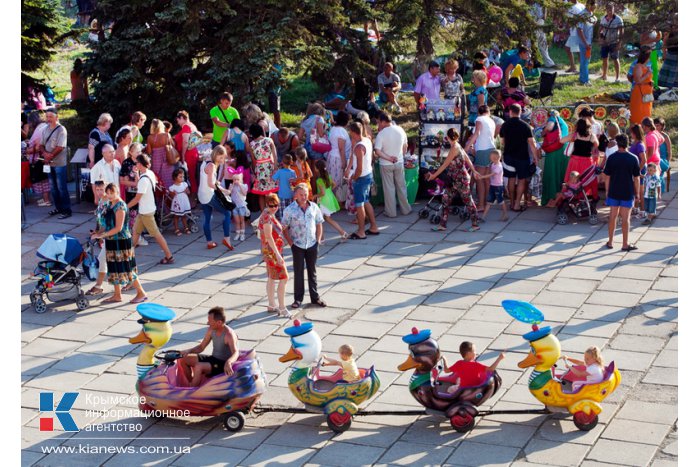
[
  {"x": 264, "y": 167},
  {"x": 457, "y": 172},
  {"x": 181, "y": 203},
  {"x": 275, "y": 270},
  {"x": 121, "y": 264}
]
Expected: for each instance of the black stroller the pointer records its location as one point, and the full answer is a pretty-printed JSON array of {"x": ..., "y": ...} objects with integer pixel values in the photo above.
[
  {"x": 579, "y": 204},
  {"x": 60, "y": 272}
]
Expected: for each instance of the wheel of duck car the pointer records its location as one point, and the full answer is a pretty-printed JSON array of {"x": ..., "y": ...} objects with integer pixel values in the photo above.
[
  {"x": 39, "y": 305},
  {"x": 593, "y": 219},
  {"x": 82, "y": 303},
  {"x": 562, "y": 219},
  {"x": 585, "y": 422},
  {"x": 462, "y": 424},
  {"x": 423, "y": 213},
  {"x": 234, "y": 421},
  {"x": 339, "y": 422}
]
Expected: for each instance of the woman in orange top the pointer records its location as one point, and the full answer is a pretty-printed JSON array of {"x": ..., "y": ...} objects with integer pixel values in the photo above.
[{"x": 642, "y": 84}]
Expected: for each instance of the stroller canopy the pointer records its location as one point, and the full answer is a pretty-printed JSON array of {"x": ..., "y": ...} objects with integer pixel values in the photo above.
[{"x": 62, "y": 248}]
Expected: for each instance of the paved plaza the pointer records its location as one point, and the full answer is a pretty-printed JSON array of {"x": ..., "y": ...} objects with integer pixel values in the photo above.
[{"x": 378, "y": 289}]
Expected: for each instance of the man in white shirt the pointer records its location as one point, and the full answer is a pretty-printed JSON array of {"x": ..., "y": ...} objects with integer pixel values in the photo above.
[
  {"x": 145, "y": 198},
  {"x": 390, "y": 145},
  {"x": 106, "y": 169}
]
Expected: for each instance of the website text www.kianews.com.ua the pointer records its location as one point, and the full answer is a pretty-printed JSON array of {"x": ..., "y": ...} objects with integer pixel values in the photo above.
[{"x": 99, "y": 449}]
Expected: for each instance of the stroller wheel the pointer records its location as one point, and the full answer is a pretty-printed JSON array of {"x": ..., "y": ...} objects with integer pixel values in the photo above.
[
  {"x": 82, "y": 302},
  {"x": 194, "y": 227},
  {"x": 593, "y": 219},
  {"x": 423, "y": 213},
  {"x": 434, "y": 219},
  {"x": 39, "y": 305},
  {"x": 562, "y": 219},
  {"x": 454, "y": 210},
  {"x": 464, "y": 215}
]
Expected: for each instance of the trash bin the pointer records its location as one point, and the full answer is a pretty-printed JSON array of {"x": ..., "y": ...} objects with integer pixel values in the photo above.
[{"x": 411, "y": 177}]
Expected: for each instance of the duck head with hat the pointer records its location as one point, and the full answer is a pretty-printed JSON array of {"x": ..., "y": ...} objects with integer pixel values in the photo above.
[
  {"x": 155, "y": 333},
  {"x": 425, "y": 351},
  {"x": 306, "y": 345}
]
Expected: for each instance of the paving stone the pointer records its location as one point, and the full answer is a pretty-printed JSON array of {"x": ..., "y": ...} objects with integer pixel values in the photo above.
[
  {"x": 591, "y": 328},
  {"x": 499, "y": 434},
  {"x": 583, "y": 272},
  {"x": 543, "y": 451},
  {"x": 428, "y": 273},
  {"x": 660, "y": 298},
  {"x": 54, "y": 347},
  {"x": 354, "y": 327},
  {"x": 649, "y": 412},
  {"x": 619, "y": 284},
  {"x": 621, "y": 299},
  {"x": 479, "y": 273},
  {"x": 300, "y": 436},
  {"x": 435, "y": 314},
  {"x": 405, "y": 326},
  {"x": 667, "y": 358},
  {"x": 571, "y": 299},
  {"x": 633, "y": 272},
  {"x": 602, "y": 312},
  {"x": 441, "y": 261},
  {"x": 565, "y": 284},
  {"x": 632, "y": 343},
  {"x": 337, "y": 454},
  {"x": 123, "y": 384},
  {"x": 477, "y": 328},
  {"x": 643, "y": 326},
  {"x": 382, "y": 361},
  {"x": 519, "y": 286},
  {"x": 214, "y": 455},
  {"x": 494, "y": 261},
  {"x": 412, "y": 454},
  {"x": 636, "y": 432},
  {"x": 621, "y": 452},
  {"x": 405, "y": 285},
  {"x": 575, "y": 343},
  {"x": 60, "y": 381},
  {"x": 451, "y": 300},
  {"x": 487, "y": 313},
  {"x": 624, "y": 360},
  {"x": 660, "y": 375},
  {"x": 366, "y": 434},
  {"x": 560, "y": 429},
  {"x": 493, "y": 297},
  {"x": 85, "y": 363},
  {"x": 478, "y": 454},
  {"x": 407, "y": 249},
  {"x": 521, "y": 271}
]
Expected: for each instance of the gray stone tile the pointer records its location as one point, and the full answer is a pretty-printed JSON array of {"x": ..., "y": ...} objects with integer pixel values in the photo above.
[
  {"x": 624, "y": 360},
  {"x": 591, "y": 328},
  {"x": 498, "y": 434},
  {"x": 614, "y": 298},
  {"x": 354, "y": 327},
  {"x": 632, "y": 343},
  {"x": 412, "y": 454},
  {"x": 583, "y": 272},
  {"x": 436, "y": 314},
  {"x": 300, "y": 436},
  {"x": 661, "y": 298},
  {"x": 451, "y": 300},
  {"x": 571, "y": 299},
  {"x": 561, "y": 429},
  {"x": 56, "y": 348},
  {"x": 566, "y": 284},
  {"x": 270, "y": 455},
  {"x": 403, "y": 284},
  {"x": 407, "y": 249},
  {"x": 339, "y": 454},
  {"x": 494, "y": 261},
  {"x": 649, "y": 412},
  {"x": 621, "y": 452},
  {"x": 636, "y": 432},
  {"x": 667, "y": 358},
  {"x": 602, "y": 312},
  {"x": 214, "y": 455},
  {"x": 660, "y": 375},
  {"x": 549, "y": 452},
  {"x": 477, "y": 454}
]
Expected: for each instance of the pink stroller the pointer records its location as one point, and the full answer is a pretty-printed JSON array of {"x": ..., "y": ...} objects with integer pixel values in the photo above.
[{"x": 579, "y": 204}]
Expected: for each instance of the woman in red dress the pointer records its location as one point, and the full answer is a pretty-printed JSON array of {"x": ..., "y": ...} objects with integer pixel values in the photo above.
[
  {"x": 272, "y": 243},
  {"x": 182, "y": 139}
]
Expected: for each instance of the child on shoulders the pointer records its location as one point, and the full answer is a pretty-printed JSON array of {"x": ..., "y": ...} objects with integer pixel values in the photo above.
[{"x": 284, "y": 177}]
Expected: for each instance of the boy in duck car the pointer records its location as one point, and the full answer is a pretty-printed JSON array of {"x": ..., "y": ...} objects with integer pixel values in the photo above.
[{"x": 468, "y": 372}]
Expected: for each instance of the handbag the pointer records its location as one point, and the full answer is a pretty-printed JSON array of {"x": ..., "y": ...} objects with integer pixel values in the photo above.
[
  {"x": 341, "y": 191},
  {"x": 551, "y": 141},
  {"x": 569, "y": 149},
  {"x": 647, "y": 98},
  {"x": 172, "y": 156},
  {"x": 223, "y": 198},
  {"x": 36, "y": 172},
  {"x": 319, "y": 144}
]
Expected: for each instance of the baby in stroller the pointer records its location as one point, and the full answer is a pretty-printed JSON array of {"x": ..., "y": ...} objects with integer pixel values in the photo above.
[
  {"x": 568, "y": 190},
  {"x": 433, "y": 208}
]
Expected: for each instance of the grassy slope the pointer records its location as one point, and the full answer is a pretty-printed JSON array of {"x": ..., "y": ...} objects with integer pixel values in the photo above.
[{"x": 302, "y": 90}]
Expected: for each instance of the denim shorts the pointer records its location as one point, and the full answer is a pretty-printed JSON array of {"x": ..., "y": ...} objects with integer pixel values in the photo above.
[
  {"x": 496, "y": 194},
  {"x": 611, "y": 51},
  {"x": 650, "y": 205},
  {"x": 361, "y": 189},
  {"x": 240, "y": 211},
  {"x": 623, "y": 203}
]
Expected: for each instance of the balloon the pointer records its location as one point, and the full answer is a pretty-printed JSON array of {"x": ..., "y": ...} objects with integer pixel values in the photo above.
[{"x": 495, "y": 74}]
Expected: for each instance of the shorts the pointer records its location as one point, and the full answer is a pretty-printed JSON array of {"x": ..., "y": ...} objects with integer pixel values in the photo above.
[
  {"x": 612, "y": 51},
  {"x": 496, "y": 194},
  {"x": 619, "y": 203},
  {"x": 360, "y": 189},
  {"x": 516, "y": 168},
  {"x": 147, "y": 222},
  {"x": 572, "y": 43},
  {"x": 482, "y": 158},
  {"x": 242, "y": 211},
  {"x": 217, "y": 366},
  {"x": 650, "y": 206},
  {"x": 273, "y": 102}
]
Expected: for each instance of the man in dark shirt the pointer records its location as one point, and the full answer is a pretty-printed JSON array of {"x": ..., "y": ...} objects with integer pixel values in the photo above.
[
  {"x": 518, "y": 143},
  {"x": 622, "y": 170}
]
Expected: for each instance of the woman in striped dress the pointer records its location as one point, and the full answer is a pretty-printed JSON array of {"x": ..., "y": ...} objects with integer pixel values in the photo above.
[{"x": 121, "y": 265}]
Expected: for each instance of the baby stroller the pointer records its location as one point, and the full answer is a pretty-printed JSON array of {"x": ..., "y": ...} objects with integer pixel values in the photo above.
[
  {"x": 433, "y": 209},
  {"x": 60, "y": 272},
  {"x": 580, "y": 204},
  {"x": 164, "y": 216}
]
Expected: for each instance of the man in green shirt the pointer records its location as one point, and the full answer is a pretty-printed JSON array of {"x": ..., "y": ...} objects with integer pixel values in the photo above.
[{"x": 221, "y": 116}]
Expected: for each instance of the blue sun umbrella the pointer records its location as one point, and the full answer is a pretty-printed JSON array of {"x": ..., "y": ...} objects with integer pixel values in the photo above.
[{"x": 61, "y": 248}]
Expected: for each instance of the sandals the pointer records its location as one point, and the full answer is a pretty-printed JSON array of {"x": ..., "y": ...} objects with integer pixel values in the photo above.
[
  {"x": 629, "y": 248},
  {"x": 608, "y": 245},
  {"x": 284, "y": 313},
  {"x": 344, "y": 237},
  {"x": 170, "y": 260},
  {"x": 296, "y": 305},
  {"x": 438, "y": 228},
  {"x": 111, "y": 300},
  {"x": 473, "y": 228},
  {"x": 187, "y": 231},
  {"x": 54, "y": 212},
  {"x": 139, "y": 300},
  {"x": 211, "y": 245},
  {"x": 178, "y": 233},
  {"x": 94, "y": 291},
  {"x": 227, "y": 244},
  {"x": 319, "y": 302},
  {"x": 354, "y": 236},
  {"x": 273, "y": 309},
  {"x": 369, "y": 232},
  {"x": 128, "y": 287}
]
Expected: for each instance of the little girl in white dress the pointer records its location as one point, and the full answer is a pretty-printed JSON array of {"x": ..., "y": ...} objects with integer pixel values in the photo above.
[{"x": 180, "y": 205}]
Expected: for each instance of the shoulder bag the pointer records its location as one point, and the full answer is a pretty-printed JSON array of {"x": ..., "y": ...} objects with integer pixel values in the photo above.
[
  {"x": 223, "y": 198},
  {"x": 551, "y": 141},
  {"x": 172, "y": 156}
]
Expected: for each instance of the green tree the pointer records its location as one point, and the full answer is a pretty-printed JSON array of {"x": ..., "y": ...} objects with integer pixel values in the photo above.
[
  {"x": 42, "y": 26},
  {"x": 160, "y": 56}
]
